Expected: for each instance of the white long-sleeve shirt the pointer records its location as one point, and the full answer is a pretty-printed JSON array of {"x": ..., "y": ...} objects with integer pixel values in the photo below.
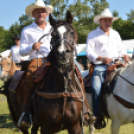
[
  {"x": 16, "y": 57},
  {"x": 31, "y": 35},
  {"x": 100, "y": 44}
]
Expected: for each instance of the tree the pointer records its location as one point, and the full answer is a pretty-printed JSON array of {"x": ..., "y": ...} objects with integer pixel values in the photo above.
[
  {"x": 98, "y": 6},
  {"x": 3, "y": 38},
  {"x": 115, "y": 13},
  {"x": 60, "y": 7},
  {"x": 24, "y": 19},
  {"x": 130, "y": 16}
]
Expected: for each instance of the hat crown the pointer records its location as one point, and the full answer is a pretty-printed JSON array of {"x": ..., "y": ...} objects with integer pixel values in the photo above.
[
  {"x": 17, "y": 36},
  {"x": 106, "y": 12},
  {"x": 39, "y": 3}
]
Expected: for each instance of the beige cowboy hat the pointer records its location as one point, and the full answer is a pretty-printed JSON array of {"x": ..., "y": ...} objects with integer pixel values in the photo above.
[
  {"x": 105, "y": 14},
  {"x": 38, "y": 4}
]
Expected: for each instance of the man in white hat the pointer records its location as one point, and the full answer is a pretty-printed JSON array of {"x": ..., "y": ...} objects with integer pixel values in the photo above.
[
  {"x": 28, "y": 46},
  {"x": 103, "y": 44}
]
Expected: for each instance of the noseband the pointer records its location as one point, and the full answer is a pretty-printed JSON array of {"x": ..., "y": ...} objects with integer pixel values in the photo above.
[{"x": 54, "y": 44}]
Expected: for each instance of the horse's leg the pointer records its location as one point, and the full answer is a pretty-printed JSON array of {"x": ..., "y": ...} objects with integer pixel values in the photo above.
[
  {"x": 91, "y": 128},
  {"x": 45, "y": 131},
  {"x": 24, "y": 131},
  {"x": 115, "y": 127},
  {"x": 34, "y": 129},
  {"x": 75, "y": 130}
]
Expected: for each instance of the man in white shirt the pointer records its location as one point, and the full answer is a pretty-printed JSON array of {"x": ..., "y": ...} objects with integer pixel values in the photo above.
[
  {"x": 103, "y": 45},
  {"x": 16, "y": 57},
  {"x": 28, "y": 46}
]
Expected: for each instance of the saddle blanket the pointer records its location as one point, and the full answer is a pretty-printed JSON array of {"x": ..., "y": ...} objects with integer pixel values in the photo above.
[{"x": 16, "y": 80}]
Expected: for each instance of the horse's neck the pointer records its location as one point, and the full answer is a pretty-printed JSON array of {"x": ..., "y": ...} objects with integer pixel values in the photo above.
[
  {"x": 128, "y": 72},
  {"x": 15, "y": 67}
]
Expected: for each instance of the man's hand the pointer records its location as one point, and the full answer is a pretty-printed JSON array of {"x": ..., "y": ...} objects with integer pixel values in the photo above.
[
  {"x": 126, "y": 58},
  {"x": 106, "y": 60},
  {"x": 36, "y": 46}
]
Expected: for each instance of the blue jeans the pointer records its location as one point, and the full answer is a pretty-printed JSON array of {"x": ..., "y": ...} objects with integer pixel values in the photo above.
[{"x": 98, "y": 78}]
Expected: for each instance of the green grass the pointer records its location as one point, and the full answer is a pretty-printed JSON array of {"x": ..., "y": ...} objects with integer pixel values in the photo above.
[{"x": 7, "y": 126}]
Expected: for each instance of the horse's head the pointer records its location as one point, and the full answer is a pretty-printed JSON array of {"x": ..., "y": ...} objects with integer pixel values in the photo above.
[
  {"x": 8, "y": 68},
  {"x": 63, "y": 38}
]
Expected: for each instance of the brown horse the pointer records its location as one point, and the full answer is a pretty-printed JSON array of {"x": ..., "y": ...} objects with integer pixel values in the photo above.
[
  {"x": 8, "y": 67},
  {"x": 58, "y": 102}
]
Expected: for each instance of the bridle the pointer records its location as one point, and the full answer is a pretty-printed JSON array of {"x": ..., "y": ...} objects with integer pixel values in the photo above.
[
  {"x": 11, "y": 71},
  {"x": 53, "y": 43}
]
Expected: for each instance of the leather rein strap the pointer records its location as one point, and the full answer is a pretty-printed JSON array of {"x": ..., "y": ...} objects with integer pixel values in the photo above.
[
  {"x": 121, "y": 100},
  {"x": 124, "y": 102},
  {"x": 58, "y": 95}
]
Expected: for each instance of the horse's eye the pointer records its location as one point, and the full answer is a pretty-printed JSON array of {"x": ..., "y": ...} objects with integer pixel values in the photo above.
[{"x": 72, "y": 32}]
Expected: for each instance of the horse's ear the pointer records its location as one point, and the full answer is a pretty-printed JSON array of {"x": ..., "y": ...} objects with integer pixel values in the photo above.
[
  {"x": 69, "y": 17},
  {"x": 52, "y": 20}
]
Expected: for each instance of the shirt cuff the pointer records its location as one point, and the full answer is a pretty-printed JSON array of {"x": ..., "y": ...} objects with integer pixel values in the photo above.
[{"x": 26, "y": 51}]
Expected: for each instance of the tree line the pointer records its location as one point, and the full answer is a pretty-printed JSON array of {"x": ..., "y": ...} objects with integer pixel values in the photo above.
[{"x": 83, "y": 12}]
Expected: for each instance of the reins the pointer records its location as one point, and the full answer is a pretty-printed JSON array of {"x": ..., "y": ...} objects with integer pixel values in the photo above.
[{"x": 77, "y": 95}]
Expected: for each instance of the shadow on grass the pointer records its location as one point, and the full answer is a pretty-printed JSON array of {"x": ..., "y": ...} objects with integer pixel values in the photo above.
[{"x": 6, "y": 121}]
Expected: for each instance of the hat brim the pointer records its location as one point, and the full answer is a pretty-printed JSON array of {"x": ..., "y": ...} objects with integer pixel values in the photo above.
[
  {"x": 15, "y": 39},
  {"x": 97, "y": 18},
  {"x": 29, "y": 9}
]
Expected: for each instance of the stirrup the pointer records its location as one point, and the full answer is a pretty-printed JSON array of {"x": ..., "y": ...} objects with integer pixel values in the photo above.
[{"x": 22, "y": 115}]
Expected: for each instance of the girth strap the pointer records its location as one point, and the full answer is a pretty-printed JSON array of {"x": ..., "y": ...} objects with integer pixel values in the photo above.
[
  {"x": 58, "y": 95},
  {"x": 124, "y": 102}
]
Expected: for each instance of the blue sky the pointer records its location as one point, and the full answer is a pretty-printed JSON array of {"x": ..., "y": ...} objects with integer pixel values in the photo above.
[{"x": 11, "y": 10}]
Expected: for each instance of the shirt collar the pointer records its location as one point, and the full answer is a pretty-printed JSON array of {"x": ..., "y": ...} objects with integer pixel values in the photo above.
[
  {"x": 99, "y": 30},
  {"x": 35, "y": 25}
]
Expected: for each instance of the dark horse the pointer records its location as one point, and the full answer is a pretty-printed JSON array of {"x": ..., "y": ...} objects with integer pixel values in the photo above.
[{"x": 58, "y": 101}]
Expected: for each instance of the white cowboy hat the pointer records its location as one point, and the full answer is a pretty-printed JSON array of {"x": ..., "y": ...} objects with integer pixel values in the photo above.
[
  {"x": 105, "y": 14},
  {"x": 38, "y": 4}
]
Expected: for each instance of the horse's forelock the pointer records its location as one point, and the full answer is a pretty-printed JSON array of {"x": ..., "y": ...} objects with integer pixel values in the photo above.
[{"x": 63, "y": 22}]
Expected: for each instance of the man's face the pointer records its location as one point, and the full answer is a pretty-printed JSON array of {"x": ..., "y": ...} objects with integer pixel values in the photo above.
[
  {"x": 17, "y": 41},
  {"x": 106, "y": 24},
  {"x": 39, "y": 14}
]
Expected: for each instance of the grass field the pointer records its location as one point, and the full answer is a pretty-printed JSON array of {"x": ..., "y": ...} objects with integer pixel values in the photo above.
[{"x": 7, "y": 126}]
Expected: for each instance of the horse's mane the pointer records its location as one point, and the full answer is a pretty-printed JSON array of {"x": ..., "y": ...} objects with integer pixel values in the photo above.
[{"x": 129, "y": 70}]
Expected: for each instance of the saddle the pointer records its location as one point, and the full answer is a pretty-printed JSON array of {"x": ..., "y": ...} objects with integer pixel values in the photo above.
[
  {"x": 111, "y": 76},
  {"x": 40, "y": 72},
  {"x": 16, "y": 78}
]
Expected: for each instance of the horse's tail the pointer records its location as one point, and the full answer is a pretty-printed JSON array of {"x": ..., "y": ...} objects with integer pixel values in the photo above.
[{"x": 7, "y": 94}]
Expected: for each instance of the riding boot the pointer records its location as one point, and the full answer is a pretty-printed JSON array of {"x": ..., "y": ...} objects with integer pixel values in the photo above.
[
  {"x": 100, "y": 122},
  {"x": 88, "y": 117},
  {"x": 25, "y": 120}
]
